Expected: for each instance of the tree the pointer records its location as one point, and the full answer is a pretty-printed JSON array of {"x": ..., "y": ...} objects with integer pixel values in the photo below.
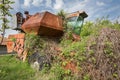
[
  {"x": 63, "y": 14},
  {"x": 5, "y": 7}
]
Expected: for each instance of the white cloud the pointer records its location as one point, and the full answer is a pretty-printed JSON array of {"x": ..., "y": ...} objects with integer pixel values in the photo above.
[
  {"x": 89, "y": 6},
  {"x": 27, "y": 3},
  {"x": 77, "y": 5},
  {"x": 93, "y": 8},
  {"x": 16, "y": 5},
  {"x": 113, "y": 8},
  {"x": 37, "y": 3},
  {"x": 100, "y": 3},
  {"x": 48, "y": 3},
  {"x": 58, "y": 4}
]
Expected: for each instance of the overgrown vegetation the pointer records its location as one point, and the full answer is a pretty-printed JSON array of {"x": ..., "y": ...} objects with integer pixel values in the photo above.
[
  {"x": 94, "y": 57},
  {"x": 13, "y": 69},
  {"x": 81, "y": 61},
  {"x": 34, "y": 43}
]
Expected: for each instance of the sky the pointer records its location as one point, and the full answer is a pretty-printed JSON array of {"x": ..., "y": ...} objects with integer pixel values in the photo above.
[{"x": 94, "y": 8}]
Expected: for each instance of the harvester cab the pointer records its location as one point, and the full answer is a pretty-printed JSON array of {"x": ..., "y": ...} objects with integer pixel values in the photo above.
[{"x": 75, "y": 21}]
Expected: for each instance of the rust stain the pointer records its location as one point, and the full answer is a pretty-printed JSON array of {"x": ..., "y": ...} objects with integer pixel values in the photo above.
[
  {"x": 44, "y": 24},
  {"x": 77, "y": 13},
  {"x": 16, "y": 45},
  {"x": 71, "y": 66}
]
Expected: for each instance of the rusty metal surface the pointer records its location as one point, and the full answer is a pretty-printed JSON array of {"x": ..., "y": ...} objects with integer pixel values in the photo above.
[
  {"x": 45, "y": 24},
  {"x": 4, "y": 40},
  {"x": 18, "y": 45},
  {"x": 77, "y": 13}
]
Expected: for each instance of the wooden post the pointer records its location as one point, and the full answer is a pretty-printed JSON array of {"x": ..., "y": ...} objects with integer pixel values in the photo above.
[{"x": 24, "y": 56}]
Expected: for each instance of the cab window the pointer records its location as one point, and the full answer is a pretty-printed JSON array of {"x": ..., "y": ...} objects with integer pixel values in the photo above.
[{"x": 72, "y": 19}]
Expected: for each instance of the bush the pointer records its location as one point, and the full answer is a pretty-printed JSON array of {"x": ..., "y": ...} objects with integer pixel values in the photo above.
[{"x": 13, "y": 69}]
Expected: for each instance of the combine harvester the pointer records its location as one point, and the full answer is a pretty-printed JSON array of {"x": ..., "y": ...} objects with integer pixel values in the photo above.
[{"x": 42, "y": 24}]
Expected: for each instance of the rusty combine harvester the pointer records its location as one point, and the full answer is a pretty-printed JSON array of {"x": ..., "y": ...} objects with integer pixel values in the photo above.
[{"x": 42, "y": 24}]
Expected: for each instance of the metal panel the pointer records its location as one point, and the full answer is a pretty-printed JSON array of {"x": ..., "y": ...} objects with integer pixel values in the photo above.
[
  {"x": 46, "y": 24},
  {"x": 18, "y": 45}
]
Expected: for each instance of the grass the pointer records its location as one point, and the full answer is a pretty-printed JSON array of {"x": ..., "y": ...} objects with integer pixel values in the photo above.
[{"x": 13, "y": 69}]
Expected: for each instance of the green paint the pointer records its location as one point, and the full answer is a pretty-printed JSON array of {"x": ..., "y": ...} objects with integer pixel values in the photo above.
[{"x": 75, "y": 24}]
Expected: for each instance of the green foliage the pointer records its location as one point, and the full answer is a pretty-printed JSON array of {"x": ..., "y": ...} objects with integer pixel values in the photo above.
[
  {"x": 86, "y": 77},
  {"x": 104, "y": 22},
  {"x": 33, "y": 43},
  {"x": 5, "y": 8},
  {"x": 62, "y": 14},
  {"x": 90, "y": 29},
  {"x": 93, "y": 28},
  {"x": 87, "y": 29},
  {"x": 116, "y": 25},
  {"x": 13, "y": 69},
  {"x": 58, "y": 71},
  {"x": 115, "y": 75},
  {"x": 77, "y": 47},
  {"x": 13, "y": 39},
  {"x": 73, "y": 51},
  {"x": 5, "y": 12},
  {"x": 108, "y": 49}
]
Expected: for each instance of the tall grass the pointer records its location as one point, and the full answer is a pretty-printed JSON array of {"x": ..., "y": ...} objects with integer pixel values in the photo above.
[{"x": 13, "y": 69}]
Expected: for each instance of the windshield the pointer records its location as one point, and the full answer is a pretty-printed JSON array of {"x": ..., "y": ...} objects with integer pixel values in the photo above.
[
  {"x": 72, "y": 19},
  {"x": 80, "y": 18},
  {"x": 75, "y": 24}
]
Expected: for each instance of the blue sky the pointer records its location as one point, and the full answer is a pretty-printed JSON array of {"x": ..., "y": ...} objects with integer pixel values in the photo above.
[{"x": 94, "y": 8}]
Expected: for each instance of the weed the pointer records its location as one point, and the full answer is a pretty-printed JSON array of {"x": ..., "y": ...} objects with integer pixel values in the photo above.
[{"x": 12, "y": 69}]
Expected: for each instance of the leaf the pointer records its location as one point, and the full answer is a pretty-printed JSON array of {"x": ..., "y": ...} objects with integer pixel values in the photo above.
[
  {"x": 5, "y": 11},
  {"x": 1, "y": 30}
]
